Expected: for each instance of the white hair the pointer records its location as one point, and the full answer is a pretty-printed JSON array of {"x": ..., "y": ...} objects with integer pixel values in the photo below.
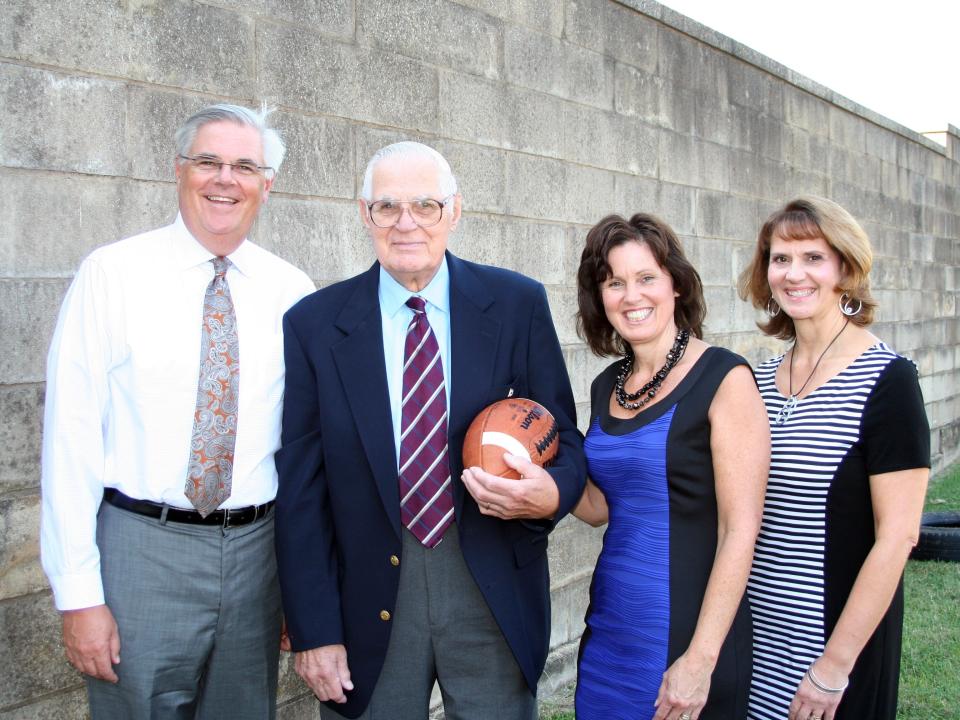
[
  {"x": 273, "y": 147},
  {"x": 408, "y": 148}
]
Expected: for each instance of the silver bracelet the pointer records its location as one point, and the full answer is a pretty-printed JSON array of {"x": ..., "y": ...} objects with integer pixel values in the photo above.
[{"x": 815, "y": 681}]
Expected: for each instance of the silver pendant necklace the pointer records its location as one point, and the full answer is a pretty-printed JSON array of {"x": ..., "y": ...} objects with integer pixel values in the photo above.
[{"x": 787, "y": 409}]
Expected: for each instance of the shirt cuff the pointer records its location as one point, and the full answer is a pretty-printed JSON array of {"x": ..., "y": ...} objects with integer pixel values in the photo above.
[{"x": 75, "y": 592}]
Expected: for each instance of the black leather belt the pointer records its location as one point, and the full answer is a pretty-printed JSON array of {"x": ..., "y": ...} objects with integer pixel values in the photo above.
[{"x": 224, "y": 518}]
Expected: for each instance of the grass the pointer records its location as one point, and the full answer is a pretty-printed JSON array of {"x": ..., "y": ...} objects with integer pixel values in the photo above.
[
  {"x": 930, "y": 664},
  {"x": 556, "y": 714},
  {"x": 558, "y": 707}
]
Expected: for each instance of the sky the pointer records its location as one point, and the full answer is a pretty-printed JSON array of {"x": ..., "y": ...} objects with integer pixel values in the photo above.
[{"x": 900, "y": 58}]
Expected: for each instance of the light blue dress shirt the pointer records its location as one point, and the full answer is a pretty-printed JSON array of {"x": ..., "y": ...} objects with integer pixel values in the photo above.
[{"x": 396, "y": 316}]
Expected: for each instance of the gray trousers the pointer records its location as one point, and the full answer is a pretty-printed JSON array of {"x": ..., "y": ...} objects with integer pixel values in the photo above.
[
  {"x": 198, "y": 608},
  {"x": 443, "y": 631}
]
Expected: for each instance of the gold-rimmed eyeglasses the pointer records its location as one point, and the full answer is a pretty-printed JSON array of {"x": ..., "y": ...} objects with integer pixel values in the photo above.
[
  {"x": 209, "y": 165},
  {"x": 426, "y": 212}
]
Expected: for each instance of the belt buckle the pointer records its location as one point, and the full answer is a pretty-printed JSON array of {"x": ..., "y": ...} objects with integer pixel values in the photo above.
[{"x": 226, "y": 518}]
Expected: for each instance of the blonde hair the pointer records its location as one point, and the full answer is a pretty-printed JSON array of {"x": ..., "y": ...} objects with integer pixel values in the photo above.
[{"x": 805, "y": 218}]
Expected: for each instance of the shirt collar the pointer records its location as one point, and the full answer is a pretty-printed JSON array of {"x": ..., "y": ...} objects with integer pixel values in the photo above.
[
  {"x": 188, "y": 252},
  {"x": 394, "y": 296}
]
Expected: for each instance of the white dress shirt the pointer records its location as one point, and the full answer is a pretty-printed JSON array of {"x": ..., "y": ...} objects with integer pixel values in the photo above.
[
  {"x": 122, "y": 378},
  {"x": 396, "y": 317}
]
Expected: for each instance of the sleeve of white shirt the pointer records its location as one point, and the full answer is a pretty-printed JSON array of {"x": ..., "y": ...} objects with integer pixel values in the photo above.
[{"x": 73, "y": 441}]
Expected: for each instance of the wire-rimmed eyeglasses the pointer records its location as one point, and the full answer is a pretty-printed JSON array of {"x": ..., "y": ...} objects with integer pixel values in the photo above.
[
  {"x": 426, "y": 212},
  {"x": 209, "y": 165}
]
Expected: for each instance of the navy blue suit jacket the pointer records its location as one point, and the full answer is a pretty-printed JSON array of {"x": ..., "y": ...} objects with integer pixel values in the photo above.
[{"x": 338, "y": 507}]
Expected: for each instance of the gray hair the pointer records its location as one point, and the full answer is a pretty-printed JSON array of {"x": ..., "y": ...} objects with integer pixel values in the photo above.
[
  {"x": 273, "y": 147},
  {"x": 448, "y": 183}
]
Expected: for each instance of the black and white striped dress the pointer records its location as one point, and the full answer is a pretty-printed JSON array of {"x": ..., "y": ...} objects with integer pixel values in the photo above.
[{"x": 818, "y": 527}]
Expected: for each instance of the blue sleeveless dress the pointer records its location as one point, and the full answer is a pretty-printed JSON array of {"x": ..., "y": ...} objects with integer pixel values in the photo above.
[{"x": 656, "y": 473}]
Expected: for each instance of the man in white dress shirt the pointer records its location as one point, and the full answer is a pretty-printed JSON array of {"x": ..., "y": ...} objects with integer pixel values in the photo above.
[{"x": 164, "y": 388}]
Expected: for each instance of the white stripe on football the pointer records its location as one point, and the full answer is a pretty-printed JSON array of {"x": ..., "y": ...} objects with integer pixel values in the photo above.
[{"x": 508, "y": 443}]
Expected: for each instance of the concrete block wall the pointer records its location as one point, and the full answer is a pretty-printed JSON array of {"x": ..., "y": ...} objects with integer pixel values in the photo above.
[{"x": 553, "y": 113}]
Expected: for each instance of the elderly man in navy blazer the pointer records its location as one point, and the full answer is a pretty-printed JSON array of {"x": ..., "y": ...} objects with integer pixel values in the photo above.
[{"x": 399, "y": 567}]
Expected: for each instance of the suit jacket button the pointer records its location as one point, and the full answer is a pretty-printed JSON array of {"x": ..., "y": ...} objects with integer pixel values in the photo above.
[
  {"x": 394, "y": 560},
  {"x": 384, "y": 615}
]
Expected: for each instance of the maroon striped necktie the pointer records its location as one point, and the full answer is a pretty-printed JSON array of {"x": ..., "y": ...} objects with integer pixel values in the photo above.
[{"x": 426, "y": 498}]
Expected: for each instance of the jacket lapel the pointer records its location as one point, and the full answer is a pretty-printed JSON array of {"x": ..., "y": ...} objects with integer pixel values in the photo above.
[
  {"x": 474, "y": 345},
  {"x": 360, "y": 364}
]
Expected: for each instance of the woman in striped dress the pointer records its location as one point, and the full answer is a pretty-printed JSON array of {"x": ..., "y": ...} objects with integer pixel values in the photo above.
[{"x": 848, "y": 474}]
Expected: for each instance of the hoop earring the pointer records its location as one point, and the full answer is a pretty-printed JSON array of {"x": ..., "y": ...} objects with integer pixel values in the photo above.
[
  {"x": 846, "y": 305},
  {"x": 771, "y": 303}
]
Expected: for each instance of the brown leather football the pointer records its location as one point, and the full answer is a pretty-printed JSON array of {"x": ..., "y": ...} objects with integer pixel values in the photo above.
[{"x": 518, "y": 426}]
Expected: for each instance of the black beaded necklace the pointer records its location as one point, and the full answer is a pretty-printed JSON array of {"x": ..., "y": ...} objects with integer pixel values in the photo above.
[{"x": 635, "y": 401}]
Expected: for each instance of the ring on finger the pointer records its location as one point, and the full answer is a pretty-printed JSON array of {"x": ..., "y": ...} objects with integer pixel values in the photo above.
[{"x": 685, "y": 716}]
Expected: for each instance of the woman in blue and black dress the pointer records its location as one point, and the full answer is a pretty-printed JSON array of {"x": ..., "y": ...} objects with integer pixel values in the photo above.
[{"x": 677, "y": 450}]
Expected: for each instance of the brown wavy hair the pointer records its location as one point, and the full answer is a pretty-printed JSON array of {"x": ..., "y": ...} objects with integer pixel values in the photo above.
[
  {"x": 806, "y": 218},
  {"x": 592, "y": 324}
]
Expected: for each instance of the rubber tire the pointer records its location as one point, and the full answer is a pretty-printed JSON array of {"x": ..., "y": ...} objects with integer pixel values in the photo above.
[{"x": 939, "y": 537}]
